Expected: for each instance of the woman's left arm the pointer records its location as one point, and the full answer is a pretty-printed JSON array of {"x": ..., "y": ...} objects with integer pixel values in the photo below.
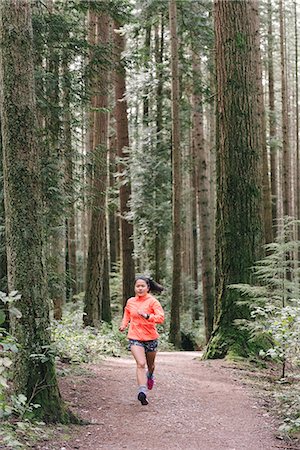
[{"x": 158, "y": 315}]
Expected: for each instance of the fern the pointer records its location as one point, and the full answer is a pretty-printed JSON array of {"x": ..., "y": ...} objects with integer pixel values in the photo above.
[{"x": 274, "y": 300}]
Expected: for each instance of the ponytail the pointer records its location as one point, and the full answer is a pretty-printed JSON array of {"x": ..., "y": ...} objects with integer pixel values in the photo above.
[{"x": 152, "y": 285}]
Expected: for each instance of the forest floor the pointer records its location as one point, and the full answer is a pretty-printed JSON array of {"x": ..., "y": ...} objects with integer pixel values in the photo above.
[{"x": 204, "y": 405}]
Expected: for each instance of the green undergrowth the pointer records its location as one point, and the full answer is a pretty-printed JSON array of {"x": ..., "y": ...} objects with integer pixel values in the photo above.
[
  {"x": 77, "y": 344},
  {"x": 280, "y": 396},
  {"x": 287, "y": 398},
  {"x": 21, "y": 434},
  {"x": 16, "y": 412}
]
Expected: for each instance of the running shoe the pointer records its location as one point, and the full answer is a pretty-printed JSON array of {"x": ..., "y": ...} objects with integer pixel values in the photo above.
[
  {"x": 143, "y": 398},
  {"x": 150, "y": 382}
]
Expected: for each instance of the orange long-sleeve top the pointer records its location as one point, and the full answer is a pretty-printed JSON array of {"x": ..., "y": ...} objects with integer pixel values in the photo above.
[{"x": 140, "y": 328}]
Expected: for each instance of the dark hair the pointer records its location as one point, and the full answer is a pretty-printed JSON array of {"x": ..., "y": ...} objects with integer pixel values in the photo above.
[{"x": 152, "y": 285}]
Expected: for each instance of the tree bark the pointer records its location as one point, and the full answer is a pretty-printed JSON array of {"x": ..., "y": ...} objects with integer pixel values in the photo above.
[
  {"x": 203, "y": 200},
  {"x": 274, "y": 156},
  {"x": 34, "y": 370},
  {"x": 97, "y": 248},
  {"x": 127, "y": 262},
  {"x": 53, "y": 181},
  {"x": 160, "y": 241},
  {"x": 174, "y": 335},
  {"x": 266, "y": 182},
  {"x": 68, "y": 154},
  {"x": 112, "y": 216},
  {"x": 106, "y": 307},
  {"x": 239, "y": 173},
  {"x": 288, "y": 209},
  {"x": 297, "y": 123},
  {"x": 3, "y": 256}
]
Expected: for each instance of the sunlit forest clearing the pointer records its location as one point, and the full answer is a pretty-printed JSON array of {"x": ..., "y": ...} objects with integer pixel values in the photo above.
[{"x": 156, "y": 138}]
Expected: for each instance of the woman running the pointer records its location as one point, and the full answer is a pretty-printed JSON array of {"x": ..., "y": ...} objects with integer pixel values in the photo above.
[{"x": 143, "y": 311}]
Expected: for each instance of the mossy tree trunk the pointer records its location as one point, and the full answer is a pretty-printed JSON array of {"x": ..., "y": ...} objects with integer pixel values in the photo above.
[
  {"x": 274, "y": 150},
  {"x": 112, "y": 214},
  {"x": 239, "y": 168},
  {"x": 89, "y": 136},
  {"x": 53, "y": 185},
  {"x": 34, "y": 370},
  {"x": 204, "y": 203},
  {"x": 106, "y": 306},
  {"x": 3, "y": 265},
  {"x": 3, "y": 257},
  {"x": 174, "y": 335},
  {"x": 97, "y": 271},
  {"x": 127, "y": 246},
  {"x": 288, "y": 206},
  {"x": 160, "y": 240},
  {"x": 69, "y": 176},
  {"x": 196, "y": 278},
  {"x": 297, "y": 122}
]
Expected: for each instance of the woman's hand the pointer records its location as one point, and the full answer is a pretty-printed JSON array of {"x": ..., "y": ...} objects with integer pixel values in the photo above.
[{"x": 122, "y": 328}]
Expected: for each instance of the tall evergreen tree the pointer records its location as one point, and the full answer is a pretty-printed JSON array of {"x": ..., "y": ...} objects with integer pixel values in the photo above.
[
  {"x": 203, "y": 199},
  {"x": 274, "y": 151},
  {"x": 34, "y": 371},
  {"x": 160, "y": 240},
  {"x": 69, "y": 175},
  {"x": 97, "y": 264},
  {"x": 127, "y": 261},
  {"x": 297, "y": 119},
  {"x": 53, "y": 186},
  {"x": 288, "y": 207},
  {"x": 239, "y": 162},
  {"x": 175, "y": 336}
]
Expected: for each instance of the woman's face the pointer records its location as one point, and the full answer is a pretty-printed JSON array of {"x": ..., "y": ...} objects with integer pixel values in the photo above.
[{"x": 141, "y": 288}]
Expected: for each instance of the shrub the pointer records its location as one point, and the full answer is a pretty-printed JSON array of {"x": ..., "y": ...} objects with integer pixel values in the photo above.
[{"x": 75, "y": 343}]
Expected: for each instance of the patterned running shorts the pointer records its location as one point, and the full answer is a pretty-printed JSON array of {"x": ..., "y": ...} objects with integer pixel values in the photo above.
[{"x": 149, "y": 346}]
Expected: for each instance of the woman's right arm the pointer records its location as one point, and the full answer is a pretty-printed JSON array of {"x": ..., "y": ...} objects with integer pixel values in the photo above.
[{"x": 125, "y": 320}]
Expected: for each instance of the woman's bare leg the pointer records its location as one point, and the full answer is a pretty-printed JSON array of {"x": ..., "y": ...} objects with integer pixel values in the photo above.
[
  {"x": 150, "y": 358},
  {"x": 140, "y": 359},
  {"x": 138, "y": 353}
]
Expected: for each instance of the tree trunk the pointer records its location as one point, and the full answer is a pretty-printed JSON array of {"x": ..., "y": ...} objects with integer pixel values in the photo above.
[
  {"x": 53, "y": 178},
  {"x": 160, "y": 240},
  {"x": 297, "y": 123},
  {"x": 266, "y": 182},
  {"x": 174, "y": 335},
  {"x": 88, "y": 142},
  {"x": 3, "y": 264},
  {"x": 267, "y": 201},
  {"x": 90, "y": 145},
  {"x": 187, "y": 229},
  {"x": 34, "y": 376},
  {"x": 68, "y": 155},
  {"x": 274, "y": 156},
  {"x": 97, "y": 252},
  {"x": 288, "y": 209},
  {"x": 106, "y": 307},
  {"x": 112, "y": 217},
  {"x": 195, "y": 264},
  {"x": 239, "y": 173},
  {"x": 203, "y": 200},
  {"x": 127, "y": 261},
  {"x": 195, "y": 306},
  {"x": 3, "y": 257}
]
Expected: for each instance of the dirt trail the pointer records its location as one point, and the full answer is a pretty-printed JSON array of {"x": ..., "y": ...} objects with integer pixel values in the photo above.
[{"x": 195, "y": 405}]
